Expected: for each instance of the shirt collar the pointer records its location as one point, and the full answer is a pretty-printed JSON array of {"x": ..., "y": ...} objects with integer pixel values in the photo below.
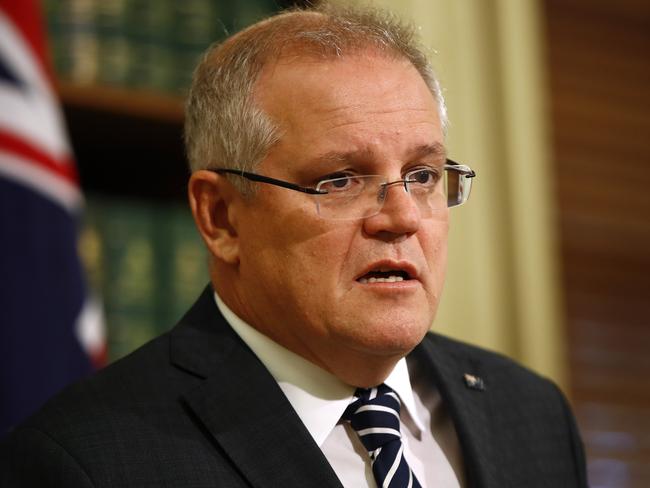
[
  {"x": 400, "y": 381},
  {"x": 318, "y": 397}
]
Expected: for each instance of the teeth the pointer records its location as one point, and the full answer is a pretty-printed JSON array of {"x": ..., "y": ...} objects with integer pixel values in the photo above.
[{"x": 390, "y": 279}]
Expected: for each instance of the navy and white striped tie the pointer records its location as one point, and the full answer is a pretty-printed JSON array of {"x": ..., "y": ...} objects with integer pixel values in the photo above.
[{"x": 375, "y": 417}]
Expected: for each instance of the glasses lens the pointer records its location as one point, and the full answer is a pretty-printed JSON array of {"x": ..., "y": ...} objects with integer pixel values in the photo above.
[
  {"x": 351, "y": 197},
  {"x": 458, "y": 185},
  {"x": 427, "y": 188},
  {"x": 359, "y": 197}
]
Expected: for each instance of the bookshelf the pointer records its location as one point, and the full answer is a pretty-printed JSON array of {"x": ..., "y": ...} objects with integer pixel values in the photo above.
[
  {"x": 130, "y": 102},
  {"x": 127, "y": 142},
  {"x": 142, "y": 255},
  {"x": 123, "y": 67}
]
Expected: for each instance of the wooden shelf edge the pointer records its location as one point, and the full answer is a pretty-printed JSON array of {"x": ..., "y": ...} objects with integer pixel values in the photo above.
[{"x": 126, "y": 101}]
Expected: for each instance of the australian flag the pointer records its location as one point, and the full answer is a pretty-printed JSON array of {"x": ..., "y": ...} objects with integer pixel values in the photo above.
[{"x": 50, "y": 331}]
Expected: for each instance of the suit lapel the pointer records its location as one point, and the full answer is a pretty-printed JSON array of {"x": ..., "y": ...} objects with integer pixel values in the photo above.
[
  {"x": 470, "y": 408},
  {"x": 245, "y": 412},
  {"x": 240, "y": 404}
]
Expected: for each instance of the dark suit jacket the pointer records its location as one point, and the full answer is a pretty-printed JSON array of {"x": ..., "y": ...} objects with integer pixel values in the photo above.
[{"x": 196, "y": 408}]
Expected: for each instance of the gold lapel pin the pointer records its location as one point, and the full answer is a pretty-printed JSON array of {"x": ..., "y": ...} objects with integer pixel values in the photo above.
[{"x": 474, "y": 382}]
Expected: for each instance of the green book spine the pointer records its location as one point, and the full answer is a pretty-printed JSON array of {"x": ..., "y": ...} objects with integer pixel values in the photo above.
[
  {"x": 196, "y": 26},
  {"x": 125, "y": 231},
  {"x": 148, "y": 263},
  {"x": 113, "y": 45},
  {"x": 149, "y": 25},
  {"x": 75, "y": 39},
  {"x": 188, "y": 263}
]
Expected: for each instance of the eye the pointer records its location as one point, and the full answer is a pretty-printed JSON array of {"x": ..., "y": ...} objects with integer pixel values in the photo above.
[
  {"x": 338, "y": 182},
  {"x": 424, "y": 176}
]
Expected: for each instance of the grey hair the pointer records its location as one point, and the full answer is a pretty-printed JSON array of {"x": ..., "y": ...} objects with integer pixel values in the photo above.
[{"x": 223, "y": 125}]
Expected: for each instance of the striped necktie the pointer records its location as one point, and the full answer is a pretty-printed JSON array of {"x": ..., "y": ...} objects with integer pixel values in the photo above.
[{"x": 374, "y": 415}]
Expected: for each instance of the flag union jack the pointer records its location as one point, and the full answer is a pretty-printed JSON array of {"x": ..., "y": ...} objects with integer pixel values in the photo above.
[
  {"x": 50, "y": 331},
  {"x": 33, "y": 144}
]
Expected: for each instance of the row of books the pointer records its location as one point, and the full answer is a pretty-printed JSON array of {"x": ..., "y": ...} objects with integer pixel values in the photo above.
[
  {"x": 146, "y": 262},
  {"x": 147, "y": 44}
]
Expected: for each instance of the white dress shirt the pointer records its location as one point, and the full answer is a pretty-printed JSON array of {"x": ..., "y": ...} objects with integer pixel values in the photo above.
[{"x": 319, "y": 398}]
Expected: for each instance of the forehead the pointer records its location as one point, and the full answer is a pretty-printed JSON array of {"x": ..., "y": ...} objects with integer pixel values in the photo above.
[{"x": 362, "y": 104}]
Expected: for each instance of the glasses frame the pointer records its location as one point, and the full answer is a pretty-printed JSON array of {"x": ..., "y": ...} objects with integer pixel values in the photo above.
[{"x": 449, "y": 165}]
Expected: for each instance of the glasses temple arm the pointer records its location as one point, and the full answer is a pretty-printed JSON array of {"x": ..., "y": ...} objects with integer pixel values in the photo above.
[
  {"x": 267, "y": 179},
  {"x": 461, "y": 168}
]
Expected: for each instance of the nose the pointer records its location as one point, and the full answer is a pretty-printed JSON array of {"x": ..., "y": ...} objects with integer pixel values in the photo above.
[{"x": 399, "y": 216}]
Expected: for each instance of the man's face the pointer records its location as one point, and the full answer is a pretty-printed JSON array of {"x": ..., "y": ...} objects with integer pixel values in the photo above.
[{"x": 304, "y": 279}]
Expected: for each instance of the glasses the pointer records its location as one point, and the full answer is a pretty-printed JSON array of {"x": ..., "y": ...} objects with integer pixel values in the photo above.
[{"x": 362, "y": 196}]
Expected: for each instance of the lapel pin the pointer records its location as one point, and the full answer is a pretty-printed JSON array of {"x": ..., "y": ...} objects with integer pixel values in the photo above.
[{"x": 474, "y": 382}]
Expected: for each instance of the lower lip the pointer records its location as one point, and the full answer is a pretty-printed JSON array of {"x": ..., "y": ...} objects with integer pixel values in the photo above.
[{"x": 405, "y": 285}]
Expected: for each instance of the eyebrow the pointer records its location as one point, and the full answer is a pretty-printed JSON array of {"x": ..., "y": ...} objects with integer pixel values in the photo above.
[{"x": 436, "y": 149}]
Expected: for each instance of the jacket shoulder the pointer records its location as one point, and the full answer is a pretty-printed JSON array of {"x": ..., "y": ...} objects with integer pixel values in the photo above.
[
  {"x": 145, "y": 379},
  {"x": 520, "y": 414},
  {"x": 489, "y": 362}
]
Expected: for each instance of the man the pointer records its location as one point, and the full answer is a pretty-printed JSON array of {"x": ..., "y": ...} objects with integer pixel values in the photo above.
[{"x": 321, "y": 188}]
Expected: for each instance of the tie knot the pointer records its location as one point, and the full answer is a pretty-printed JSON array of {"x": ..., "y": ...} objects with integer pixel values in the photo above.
[{"x": 375, "y": 416}]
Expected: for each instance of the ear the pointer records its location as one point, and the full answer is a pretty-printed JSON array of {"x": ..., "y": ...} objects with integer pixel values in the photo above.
[{"x": 211, "y": 197}]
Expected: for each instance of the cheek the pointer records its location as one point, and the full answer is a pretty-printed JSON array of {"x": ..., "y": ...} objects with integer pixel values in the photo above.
[
  {"x": 322, "y": 258},
  {"x": 301, "y": 252},
  {"x": 434, "y": 245}
]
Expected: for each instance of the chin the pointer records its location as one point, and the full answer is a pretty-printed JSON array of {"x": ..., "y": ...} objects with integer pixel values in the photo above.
[{"x": 392, "y": 338}]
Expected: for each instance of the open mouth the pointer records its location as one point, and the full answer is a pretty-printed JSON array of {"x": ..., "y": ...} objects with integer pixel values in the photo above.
[{"x": 384, "y": 276}]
